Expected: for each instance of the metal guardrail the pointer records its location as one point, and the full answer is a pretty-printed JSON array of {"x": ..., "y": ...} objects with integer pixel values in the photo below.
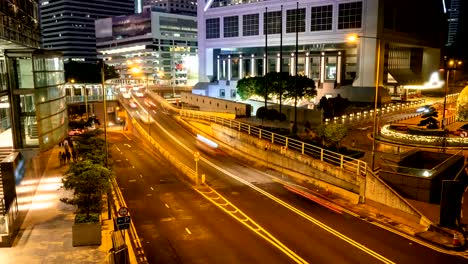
[
  {"x": 344, "y": 162},
  {"x": 91, "y": 98}
]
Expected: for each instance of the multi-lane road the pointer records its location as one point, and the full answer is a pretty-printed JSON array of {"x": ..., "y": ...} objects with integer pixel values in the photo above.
[{"x": 251, "y": 217}]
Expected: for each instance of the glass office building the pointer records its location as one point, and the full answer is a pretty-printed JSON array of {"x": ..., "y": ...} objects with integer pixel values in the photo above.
[{"x": 33, "y": 115}]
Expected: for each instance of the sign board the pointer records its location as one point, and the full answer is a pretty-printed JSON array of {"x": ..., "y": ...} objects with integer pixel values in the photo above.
[
  {"x": 123, "y": 222},
  {"x": 123, "y": 211}
]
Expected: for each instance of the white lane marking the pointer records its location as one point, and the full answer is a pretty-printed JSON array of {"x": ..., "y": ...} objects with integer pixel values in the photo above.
[
  {"x": 132, "y": 180},
  {"x": 127, "y": 136},
  {"x": 166, "y": 205},
  {"x": 127, "y": 145},
  {"x": 152, "y": 188},
  {"x": 188, "y": 231},
  {"x": 126, "y": 159},
  {"x": 290, "y": 207},
  {"x": 118, "y": 149},
  {"x": 133, "y": 167},
  {"x": 141, "y": 176}
]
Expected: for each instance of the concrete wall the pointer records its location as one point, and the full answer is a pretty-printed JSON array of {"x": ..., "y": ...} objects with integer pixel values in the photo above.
[
  {"x": 314, "y": 172},
  {"x": 377, "y": 191},
  {"x": 211, "y": 104}
]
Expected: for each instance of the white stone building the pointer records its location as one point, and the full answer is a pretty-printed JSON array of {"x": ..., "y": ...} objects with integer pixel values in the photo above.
[{"x": 231, "y": 43}]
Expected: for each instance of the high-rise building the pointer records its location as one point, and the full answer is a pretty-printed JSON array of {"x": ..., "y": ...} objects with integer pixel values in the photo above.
[
  {"x": 33, "y": 112},
  {"x": 160, "y": 45},
  {"x": 452, "y": 8},
  {"x": 68, "y": 25},
  {"x": 393, "y": 45},
  {"x": 183, "y": 7}
]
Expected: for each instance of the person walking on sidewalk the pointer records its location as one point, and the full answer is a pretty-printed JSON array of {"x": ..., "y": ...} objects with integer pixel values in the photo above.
[
  {"x": 60, "y": 158},
  {"x": 73, "y": 155},
  {"x": 64, "y": 158},
  {"x": 68, "y": 156}
]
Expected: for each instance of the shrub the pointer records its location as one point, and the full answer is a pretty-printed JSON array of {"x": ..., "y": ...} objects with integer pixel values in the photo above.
[{"x": 262, "y": 112}]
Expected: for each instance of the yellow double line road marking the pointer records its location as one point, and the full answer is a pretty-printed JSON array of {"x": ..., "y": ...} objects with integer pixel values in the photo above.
[
  {"x": 304, "y": 215},
  {"x": 248, "y": 222},
  {"x": 292, "y": 208}
]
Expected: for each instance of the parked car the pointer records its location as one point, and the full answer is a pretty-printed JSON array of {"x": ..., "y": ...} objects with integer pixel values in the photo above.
[{"x": 75, "y": 132}]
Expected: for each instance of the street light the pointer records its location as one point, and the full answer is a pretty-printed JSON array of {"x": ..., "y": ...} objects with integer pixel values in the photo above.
[
  {"x": 451, "y": 65},
  {"x": 354, "y": 38}
]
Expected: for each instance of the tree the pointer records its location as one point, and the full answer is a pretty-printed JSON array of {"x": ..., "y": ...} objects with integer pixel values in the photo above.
[
  {"x": 339, "y": 105},
  {"x": 110, "y": 72},
  {"x": 429, "y": 119},
  {"x": 299, "y": 86},
  {"x": 88, "y": 182},
  {"x": 332, "y": 134},
  {"x": 90, "y": 146},
  {"x": 88, "y": 72},
  {"x": 326, "y": 107},
  {"x": 277, "y": 82},
  {"x": 249, "y": 86}
]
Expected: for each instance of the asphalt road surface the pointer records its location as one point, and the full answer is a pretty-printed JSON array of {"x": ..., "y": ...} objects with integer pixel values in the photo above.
[{"x": 163, "y": 205}]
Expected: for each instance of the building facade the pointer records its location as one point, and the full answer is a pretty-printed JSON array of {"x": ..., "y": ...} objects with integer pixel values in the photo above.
[
  {"x": 182, "y": 7},
  {"x": 392, "y": 46},
  {"x": 68, "y": 25},
  {"x": 156, "y": 46},
  {"x": 33, "y": 113}
]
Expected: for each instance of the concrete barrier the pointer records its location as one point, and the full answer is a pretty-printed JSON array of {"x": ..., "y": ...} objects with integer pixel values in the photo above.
[{"x": 301, "y": 169}]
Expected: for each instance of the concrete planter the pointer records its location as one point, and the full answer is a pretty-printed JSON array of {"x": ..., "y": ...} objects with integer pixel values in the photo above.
[{"x": 86, "y": 234}]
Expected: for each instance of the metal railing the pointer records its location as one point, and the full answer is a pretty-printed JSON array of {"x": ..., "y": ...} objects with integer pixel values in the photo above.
[
  {"x": 344, "y": 162},
  {"x": 91, "y": 98}
]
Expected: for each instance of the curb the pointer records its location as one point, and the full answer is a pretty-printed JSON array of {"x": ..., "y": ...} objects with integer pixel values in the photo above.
[
  {"x": 444, "y": 246},
  {"x": 373, "y": 219}
]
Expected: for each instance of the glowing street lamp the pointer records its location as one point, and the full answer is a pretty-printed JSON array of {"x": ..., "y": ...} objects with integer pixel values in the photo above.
[{"x": 352, "y": 38}]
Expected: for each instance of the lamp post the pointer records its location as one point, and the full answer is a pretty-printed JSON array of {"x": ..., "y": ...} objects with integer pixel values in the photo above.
[
  {"x": 106, "y": 161},
  {"x": 353, "y": 38},
  {"x": 450, "y": 65}
]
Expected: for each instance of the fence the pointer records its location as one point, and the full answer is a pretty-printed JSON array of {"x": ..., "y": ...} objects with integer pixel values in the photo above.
[{"x": 347, "y": 163}]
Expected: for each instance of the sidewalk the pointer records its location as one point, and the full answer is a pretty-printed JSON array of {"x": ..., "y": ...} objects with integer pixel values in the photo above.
[{"x": 46, "y": 233}]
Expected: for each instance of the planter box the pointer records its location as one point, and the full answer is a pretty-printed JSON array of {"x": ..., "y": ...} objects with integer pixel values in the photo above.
[{"x": 86, "y": 234}]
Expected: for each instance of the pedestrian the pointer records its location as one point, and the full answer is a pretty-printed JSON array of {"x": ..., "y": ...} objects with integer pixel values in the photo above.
[
  {"x": 73, "y": 155},
  {"x": 64, "y": 158},
  {"x": 65, "y": 144},
  {"x": 60, "y": 158},
  {"x": 68, "y": 156}
]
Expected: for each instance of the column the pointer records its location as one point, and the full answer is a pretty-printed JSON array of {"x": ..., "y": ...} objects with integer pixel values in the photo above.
[
  {"x": 307, "y": 65},
  {"x": 264, "y": 64},
  {"x": 218, "y": 68},
  {"x": 229, "y": 68},
  {"x": 241, "y": 67},
  {"x": 291, "y": 65},
  {"x": 278, "y": 63},
  {"x": 338, "y": 68},
  {"x": 252, "y": 65},
  {"x": 322, "y": 67},
  {"x": 224, "y": 69}
]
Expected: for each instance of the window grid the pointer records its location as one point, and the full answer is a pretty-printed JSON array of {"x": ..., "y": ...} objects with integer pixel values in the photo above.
[
  {"x": 321, "y": 18},
  {"x": 250, "y": 25},
  {"x": 212, "y": 28},
  {"x": 291, "y": 20},
  {"x": 231, "y": 26},
  {"x": 350, "y": 15},
  {"x": 274, "y": 22}
]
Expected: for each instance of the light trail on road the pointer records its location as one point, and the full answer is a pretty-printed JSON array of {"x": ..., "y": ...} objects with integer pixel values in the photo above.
[{"x": 281, "y": 202}]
